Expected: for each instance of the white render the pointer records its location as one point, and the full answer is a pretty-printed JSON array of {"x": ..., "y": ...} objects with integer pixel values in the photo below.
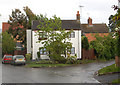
[
  {"x": 76, "y": 42},
  {"x": 28, "y": 41},
  {"x": 118, "y": 3}
]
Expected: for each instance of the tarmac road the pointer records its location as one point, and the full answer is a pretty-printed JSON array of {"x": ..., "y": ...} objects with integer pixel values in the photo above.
[{"x": 83, "y": 73}]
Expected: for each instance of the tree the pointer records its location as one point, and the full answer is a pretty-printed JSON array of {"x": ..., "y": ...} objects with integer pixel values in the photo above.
[
  {"x": 56, "y": 38},
  {"x": 0, "y": 40},
  {"x": 104, "y": 47},
  {"x": 18, "y": 25},
  {"x": 8, "y": 44},
  {"x": 111, "y": 24},
  {"x": 114, "y": 20},
  {"x": 30, "y": 16},
  {"x": 85, "y": 43}
]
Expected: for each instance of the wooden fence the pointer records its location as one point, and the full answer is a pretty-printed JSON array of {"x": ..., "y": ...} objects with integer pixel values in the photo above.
[{"x": 88, "y": 54}]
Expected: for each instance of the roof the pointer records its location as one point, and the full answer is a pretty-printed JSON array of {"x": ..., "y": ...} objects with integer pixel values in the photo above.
[
  {"x": 75, "y": 25},
  {"x": 70, "y": 24},
  {"x": 95, "y": 28},
  {"x": 66, "y": 24}
]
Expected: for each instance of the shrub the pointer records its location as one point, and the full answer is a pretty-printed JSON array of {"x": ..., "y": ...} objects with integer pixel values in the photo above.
[
  {"x": 38, "y": 55},
  {"x": 59, "y": 59},
  {"x": 71, "y": 60},
  {"x": 104, "y": 47},
  {"x": 8, "y": 44},
  {"x": 28, "y": 57},
  {"x": 46, "y": 62},
  {"x": 85, "y": 43}
]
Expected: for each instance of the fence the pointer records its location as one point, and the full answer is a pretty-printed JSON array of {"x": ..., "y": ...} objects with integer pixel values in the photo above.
[{"x": 88, "y": 54}]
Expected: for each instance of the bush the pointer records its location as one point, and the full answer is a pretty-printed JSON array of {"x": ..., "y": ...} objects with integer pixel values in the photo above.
[
  {"x": 71, "y": 60},
  {"x": 8, "y": 44},
  {"x": 85, "y": 43},
  {"x": 38, "y": 55},
  {"x": 28, "y": 57},
  {"x": 104, "y": 47},
  {"x": 59, "y": 59},
  {"x": 46, "y": 62}
]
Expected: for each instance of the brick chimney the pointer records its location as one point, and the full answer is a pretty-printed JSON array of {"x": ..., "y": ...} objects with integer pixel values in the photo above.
[
  {"x": 90, "y": 22},
  {"x": 78, "y": 16}
]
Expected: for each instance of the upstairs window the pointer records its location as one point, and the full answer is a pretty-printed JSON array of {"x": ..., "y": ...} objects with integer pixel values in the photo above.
[
  {"x": 72, "y": 35},
  {"x": 42, "y": 36}
]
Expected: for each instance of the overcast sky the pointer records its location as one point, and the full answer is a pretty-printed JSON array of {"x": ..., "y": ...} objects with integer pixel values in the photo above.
[{"x": 98, "y": 10}]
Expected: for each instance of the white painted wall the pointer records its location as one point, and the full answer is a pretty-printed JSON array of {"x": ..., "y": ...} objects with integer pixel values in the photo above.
[
  {"x": 118, "y": 3},
  {"x": 28, "y": 41},
  {"x": 75, "y": 41},
  {"x": 36, "y": 46}
]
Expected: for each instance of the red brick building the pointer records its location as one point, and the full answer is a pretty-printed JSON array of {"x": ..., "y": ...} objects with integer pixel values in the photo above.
[
  {"x": 5, "y": 26},
  {"x": 19, "y": 47},
  {"x": 90, "y": 30}
]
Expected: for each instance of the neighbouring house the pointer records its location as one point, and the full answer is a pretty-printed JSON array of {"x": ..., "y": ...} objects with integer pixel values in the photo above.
[
  {"x": 90, "y": 29},
  {"x": 33, "y": 47},
  {"x": 5, "y": 26},
  {"x": 19, "y": 47}
]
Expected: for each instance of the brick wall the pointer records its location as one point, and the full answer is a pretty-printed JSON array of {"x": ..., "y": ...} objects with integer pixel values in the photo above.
[
  {"x": 91, "y": 36},
  {"x": 5, "y": 26}
]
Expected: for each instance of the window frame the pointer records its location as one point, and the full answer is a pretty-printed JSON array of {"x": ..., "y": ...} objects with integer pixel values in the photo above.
[
  {"x": 72, "y": 35},
  {"x": 43, "y": 51},
  {"x": 42, "y": 36},
  {"x": 71, "y": 50}
]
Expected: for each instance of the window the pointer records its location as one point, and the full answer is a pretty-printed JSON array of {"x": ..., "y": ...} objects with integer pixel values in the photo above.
[
  {"x": 71, "y": 51},
  {"x": 42, "y": 35},
  {"x": 72, "y": 35},
  {"x": 43, "y": 51}
]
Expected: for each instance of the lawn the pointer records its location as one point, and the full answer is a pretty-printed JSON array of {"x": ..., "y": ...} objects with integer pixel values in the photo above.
[
  {"x": 109, "y": 69},
  {"x": 46, "y": 65},
  {"x": 49, "y": 63},
  {"x": 116, "y": 81}
]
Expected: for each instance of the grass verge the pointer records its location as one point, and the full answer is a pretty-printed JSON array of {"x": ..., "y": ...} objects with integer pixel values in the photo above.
[
  {"x": 116, "y": 81},
  {"x": 109, "y": 69},
  {"x": 46, "y": 65},
  {"x": 49, "y": 63}
]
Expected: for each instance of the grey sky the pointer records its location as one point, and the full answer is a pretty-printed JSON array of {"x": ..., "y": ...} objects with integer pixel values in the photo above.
[{"x": 98, "y": 10}]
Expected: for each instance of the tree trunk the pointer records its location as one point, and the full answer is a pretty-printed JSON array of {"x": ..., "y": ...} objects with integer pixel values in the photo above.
[{"x": 117, "y": 61}]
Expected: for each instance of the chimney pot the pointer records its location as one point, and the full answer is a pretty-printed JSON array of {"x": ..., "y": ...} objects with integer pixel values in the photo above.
[
  {"x": 90, "y": 21},
  {"x": 78, "y": 16}
]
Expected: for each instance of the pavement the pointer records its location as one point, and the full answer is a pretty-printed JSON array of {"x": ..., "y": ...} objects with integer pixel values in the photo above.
[{"x": 107, "y": 78}]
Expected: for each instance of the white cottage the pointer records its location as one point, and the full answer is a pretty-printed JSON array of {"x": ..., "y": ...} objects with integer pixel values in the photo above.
[{"x": 33, "y": 47}]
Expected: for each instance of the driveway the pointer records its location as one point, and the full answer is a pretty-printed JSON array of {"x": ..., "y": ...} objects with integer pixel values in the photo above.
[{"x": 83, "y": 73}]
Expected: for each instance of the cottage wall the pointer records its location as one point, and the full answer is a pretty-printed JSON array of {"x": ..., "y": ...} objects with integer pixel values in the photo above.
[{"x": 76, "y": 44}]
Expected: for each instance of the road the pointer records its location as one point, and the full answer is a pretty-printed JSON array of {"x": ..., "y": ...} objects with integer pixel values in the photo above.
[{"x": 82, "y": 73}]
